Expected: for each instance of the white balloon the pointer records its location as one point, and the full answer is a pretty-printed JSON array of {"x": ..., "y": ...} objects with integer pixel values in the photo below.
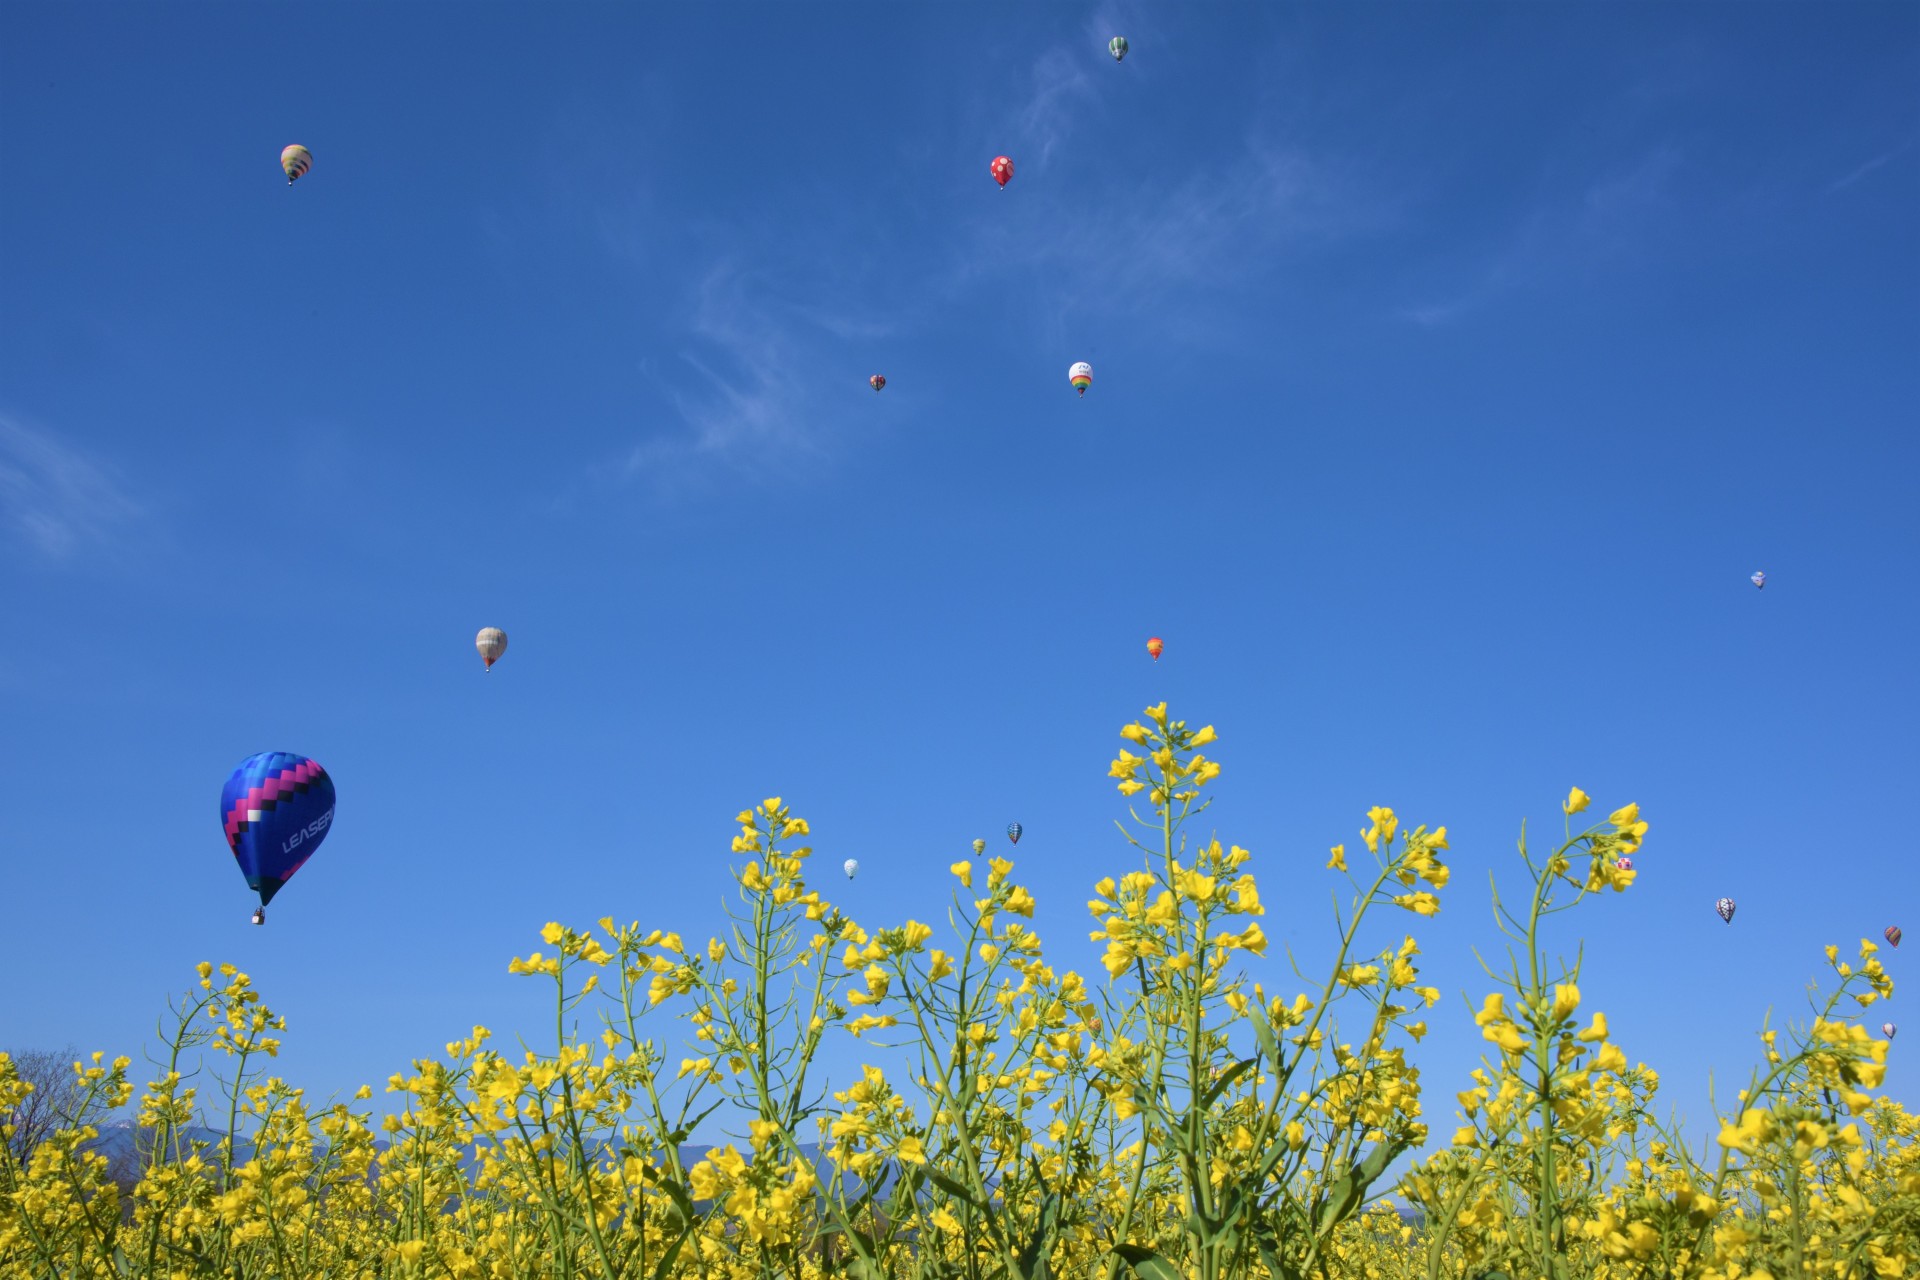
[
  {"x": 491, "y": 642},
  {"x": 851, "y": 866}
]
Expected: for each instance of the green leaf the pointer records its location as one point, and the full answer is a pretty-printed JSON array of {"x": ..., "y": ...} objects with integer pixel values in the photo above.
[
  {"x": 1263, "y": 1033},
  {"x": 958, "y": 1190},
  {"x": 1278, "y": 1267},
  {"x": 1039, "y": 1246},
  {"x": 1351, "y": 1191},
  {"x": 1145, "y": 1263},
  {"x": 1225, "y": 1082}
]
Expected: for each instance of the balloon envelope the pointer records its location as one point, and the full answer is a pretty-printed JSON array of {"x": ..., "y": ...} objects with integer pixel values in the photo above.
[
  {"x": 491, "y": 642},
  {"x": 979, "y": 847},
  {"x": 1081, "y": 376},
  {"x": 1759, "y": 580},
  {"x": 1725, "y": 907},
  {"x": 1893, "y": 935},
  {"x": 850, "y": 866},
  {"x": 1154, "y": 647},
  {"x": 1013, "y": 832},
  {"x": 1117, "y": 47},
  {"x": 1888, "y": 1030},
  {"x": 1002, "y": 171},
  {"x": 1624, "y": 864},
  {"x": 296, "y": 160},
  {"x": 877, "y": 381},
  {"x": 276, "y": 809}
]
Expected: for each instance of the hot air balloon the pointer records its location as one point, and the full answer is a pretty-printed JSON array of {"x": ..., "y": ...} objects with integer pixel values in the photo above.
[
  {"x": 1759, "y": 580},
  {"x": 276, "y": 808},
  {"x": 1623, "y": 864},
  {"x": 979, "y": 847},
  {"x": 878, "y": 381},
  {"x": 850, "y": 866},
  {"x": 296, "y": 160},
  {"x": 1888, "y": 1030},
  {"x": 1002, "y": 171},
  {"x": 1013, "y": 832},
  {"x": 1893, "y": 935},
  {"x": 1081, "y": 376},
  {"x": 1154, "y": 646},
  {"x": 1117, "y": 47},
  {"x": 491, "y": 642},
  {"x": 1725, "y": 907}
]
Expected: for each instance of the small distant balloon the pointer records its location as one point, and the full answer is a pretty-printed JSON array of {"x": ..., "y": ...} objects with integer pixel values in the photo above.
[
  {"x": 491, "y": 642},
  {"x": 979, "y": 847},
  {"x": 1759, "y": 580},
  {"x": 1725, "y": 907},
  {"x": 1888, "y": 1030},
  {"x": 1623, "y": 864},
  {"x": 1154, "y": 647},
  {"x": 1013, "y": 832},
  {"x": 1117, "y": 47},
  {"x": 296, "y": 160},
  {"x": 1081, "y": 376},
  {"x": 850, "y": 866},
  {"x": 878, "y": 381},
  {"x": 1002, "y": 171},
  {"x": 1893, "y": 935}
]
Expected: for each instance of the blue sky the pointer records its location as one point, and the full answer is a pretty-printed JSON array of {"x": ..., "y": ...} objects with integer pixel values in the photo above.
[{"x": 1454, "y": 366}]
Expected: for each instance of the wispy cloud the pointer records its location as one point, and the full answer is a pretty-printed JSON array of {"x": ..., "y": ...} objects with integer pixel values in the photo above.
[
  {"x": 53, "y": 497},
  {"x": 757, "y": 383},
  {"x": 755, "y": 400},
  {"x": 1878, "y": 162},
  {"x": 1150, "y": 243},
  {"x": 1607, "y": 217},
  {"x": 1212, "y": 228},
  {"x": 1060, "y": 86}
]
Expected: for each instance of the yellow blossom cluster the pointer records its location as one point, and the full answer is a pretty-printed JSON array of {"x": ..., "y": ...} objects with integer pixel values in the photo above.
[{"x": 1011, "y": 1120}]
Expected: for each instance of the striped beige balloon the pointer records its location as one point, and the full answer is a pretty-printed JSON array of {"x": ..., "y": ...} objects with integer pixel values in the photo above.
[
  {"x": 296, "y": 160},
  {"x": 491, "y": 642}
]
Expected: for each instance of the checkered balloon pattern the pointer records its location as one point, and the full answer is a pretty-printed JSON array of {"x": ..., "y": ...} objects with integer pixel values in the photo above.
[{"x": 276, "y": 809}]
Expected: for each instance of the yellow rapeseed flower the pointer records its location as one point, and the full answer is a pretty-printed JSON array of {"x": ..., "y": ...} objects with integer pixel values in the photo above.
[{"x": 1384, "y": 825}]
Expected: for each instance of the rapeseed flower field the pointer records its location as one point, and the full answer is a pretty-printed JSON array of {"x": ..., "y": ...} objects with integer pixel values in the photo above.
[{"x": 1163, "y": 1117}]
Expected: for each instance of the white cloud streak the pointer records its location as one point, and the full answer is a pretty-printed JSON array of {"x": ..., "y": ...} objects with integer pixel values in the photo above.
[
  {"x": 755, "y": 403},
  {"x": 53, "y": 497},
  {"x": 755, "y": 385},
  {"x": 1878, "y": 162},
  {"x": 1609, "y": 216},
  {"x": 1060, "y": 86}
]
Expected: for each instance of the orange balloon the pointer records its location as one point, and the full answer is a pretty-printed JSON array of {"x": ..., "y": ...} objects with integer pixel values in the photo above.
[{"x": 1154, "y": 647}]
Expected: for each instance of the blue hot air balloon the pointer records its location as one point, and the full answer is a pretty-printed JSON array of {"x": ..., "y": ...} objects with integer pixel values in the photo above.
[
  {"x": 276, "y": 808},
  {"x": 1013, "y": 832}
]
